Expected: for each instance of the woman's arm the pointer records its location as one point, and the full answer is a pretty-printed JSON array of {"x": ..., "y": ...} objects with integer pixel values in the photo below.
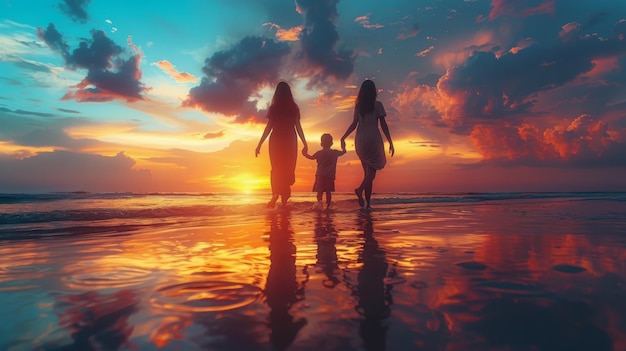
[
  {"x": 305, "y": 153},
  {"x": 350, "y": 129},
  {"x": 301, "y": 133},
  {"x": 385, "y": 128},
  {"x": 266, "y": 132}
]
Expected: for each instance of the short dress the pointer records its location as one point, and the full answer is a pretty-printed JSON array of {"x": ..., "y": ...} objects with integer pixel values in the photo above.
[{"x": 368, "y": 141}]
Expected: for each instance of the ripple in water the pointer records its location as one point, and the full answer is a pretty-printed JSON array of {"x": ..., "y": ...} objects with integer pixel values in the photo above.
[
  {"x": 20, "y": 277},
  {"x": 108, "y": 278},
  {"x": 206, "y": 296}
]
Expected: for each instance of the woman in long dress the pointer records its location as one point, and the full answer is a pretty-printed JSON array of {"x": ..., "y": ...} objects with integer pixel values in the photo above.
[
  {"x": 283, "y": 122},
  {"x": 368, "y": 113}
]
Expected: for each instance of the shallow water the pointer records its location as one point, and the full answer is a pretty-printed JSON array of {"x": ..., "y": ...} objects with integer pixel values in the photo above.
[{"x": 512, "y": 273}]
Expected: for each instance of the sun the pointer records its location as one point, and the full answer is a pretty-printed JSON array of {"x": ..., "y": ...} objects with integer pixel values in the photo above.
[{"x": 248, "y": 183}]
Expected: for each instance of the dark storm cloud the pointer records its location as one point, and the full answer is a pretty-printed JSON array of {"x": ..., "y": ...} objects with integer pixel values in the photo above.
[
  {"x": 108, "y": 85},
  {"x": 319, "y": 39},
  {"x": 232, "y": 77},
  {"x": 94, "y": 54},
  {"x": 109, "y": 75},
  {"x": 75, "y": 9},
  {"x": 488, "y": 87},
  {"x": 54, "y": 40}
]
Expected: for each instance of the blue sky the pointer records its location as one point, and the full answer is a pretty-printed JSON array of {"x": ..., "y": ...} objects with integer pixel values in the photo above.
[{"x": 170, "y": 96}]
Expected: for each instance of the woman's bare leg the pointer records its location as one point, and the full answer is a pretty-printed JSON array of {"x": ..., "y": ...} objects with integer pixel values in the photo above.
[
  {"x": 272, "y": 202},
  {"x": 368, "y": 182},
  {"x": 285, "y": 196},
  {"x": 359, "y": 191}
]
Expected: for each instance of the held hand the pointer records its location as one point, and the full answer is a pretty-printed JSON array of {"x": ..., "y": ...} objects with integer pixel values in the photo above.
[
  {"x": 343, "y": 144},
  {"x": 391, "y": 150}
]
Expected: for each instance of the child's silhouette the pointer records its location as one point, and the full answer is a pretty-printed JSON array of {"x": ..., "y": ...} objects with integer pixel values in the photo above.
[{"x": 326, "y": 169}]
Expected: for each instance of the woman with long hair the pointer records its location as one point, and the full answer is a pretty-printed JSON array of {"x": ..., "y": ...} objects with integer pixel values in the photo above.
[
  {"x": 368, "y": 113},
  {"x": 283, "y": 123}
]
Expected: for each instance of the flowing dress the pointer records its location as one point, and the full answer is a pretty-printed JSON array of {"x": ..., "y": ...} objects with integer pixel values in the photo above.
[
  {"x": 283, "y": 149},
  {"x": 368, "y": 141}
]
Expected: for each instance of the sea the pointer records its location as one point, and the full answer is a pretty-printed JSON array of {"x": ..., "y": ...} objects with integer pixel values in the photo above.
[{"x": 220, "y": 271}]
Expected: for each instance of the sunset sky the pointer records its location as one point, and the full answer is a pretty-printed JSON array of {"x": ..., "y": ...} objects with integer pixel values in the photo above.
[{"x": 481, "y": 95}]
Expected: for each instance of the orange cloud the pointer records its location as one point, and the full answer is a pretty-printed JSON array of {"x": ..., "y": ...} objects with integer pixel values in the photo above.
[
  {"x": 425, "y": 52},
  {"x": 179, "y": 77},
  {"x": 603, "y": 65},
  {"x": 214, "y": 135},
  {"x": 365, "y": 22},
  {"x": 339, "y": 102},
  {"x": 583, "y": 134},
  {"x": 583, "y": 139},
  {"x": 289, "y": 34}
]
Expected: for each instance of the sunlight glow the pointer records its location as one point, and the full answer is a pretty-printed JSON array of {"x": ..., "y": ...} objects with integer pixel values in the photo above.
[{"x": 245, "y": 182}]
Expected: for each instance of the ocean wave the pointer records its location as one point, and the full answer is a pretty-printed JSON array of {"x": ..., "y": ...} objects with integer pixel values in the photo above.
[
  {"x": 166, "y": 205},
  {"x": 80, "y": 195}
]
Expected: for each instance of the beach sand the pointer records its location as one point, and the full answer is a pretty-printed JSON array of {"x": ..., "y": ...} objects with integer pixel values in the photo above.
[{"x": 543, "y": 273}]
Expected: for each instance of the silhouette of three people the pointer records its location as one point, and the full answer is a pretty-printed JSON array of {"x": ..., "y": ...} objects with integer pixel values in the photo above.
[{"x": 283, "y": 128}]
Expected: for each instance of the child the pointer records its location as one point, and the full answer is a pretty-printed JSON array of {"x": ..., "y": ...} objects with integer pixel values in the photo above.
[{"x": 326, "y": 168}]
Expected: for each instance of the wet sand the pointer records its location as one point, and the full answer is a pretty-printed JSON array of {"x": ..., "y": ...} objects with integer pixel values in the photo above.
[{"x": 505, "y": 275}]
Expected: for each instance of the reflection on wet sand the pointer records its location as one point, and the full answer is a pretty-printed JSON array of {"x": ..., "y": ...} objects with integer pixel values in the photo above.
[
  {"x": 326, "y": 239},
  {"x": 469, "y": 282},
  {"x": 282, "y": 290},
  {"x": 373, "y": 295},
  {"x": 539, "y": 296}
]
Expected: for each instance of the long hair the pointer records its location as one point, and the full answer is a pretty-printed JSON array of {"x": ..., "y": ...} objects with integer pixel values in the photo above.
[
  {"x": 366, "y": 99},
  {"x": 283, "y": 101}
]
